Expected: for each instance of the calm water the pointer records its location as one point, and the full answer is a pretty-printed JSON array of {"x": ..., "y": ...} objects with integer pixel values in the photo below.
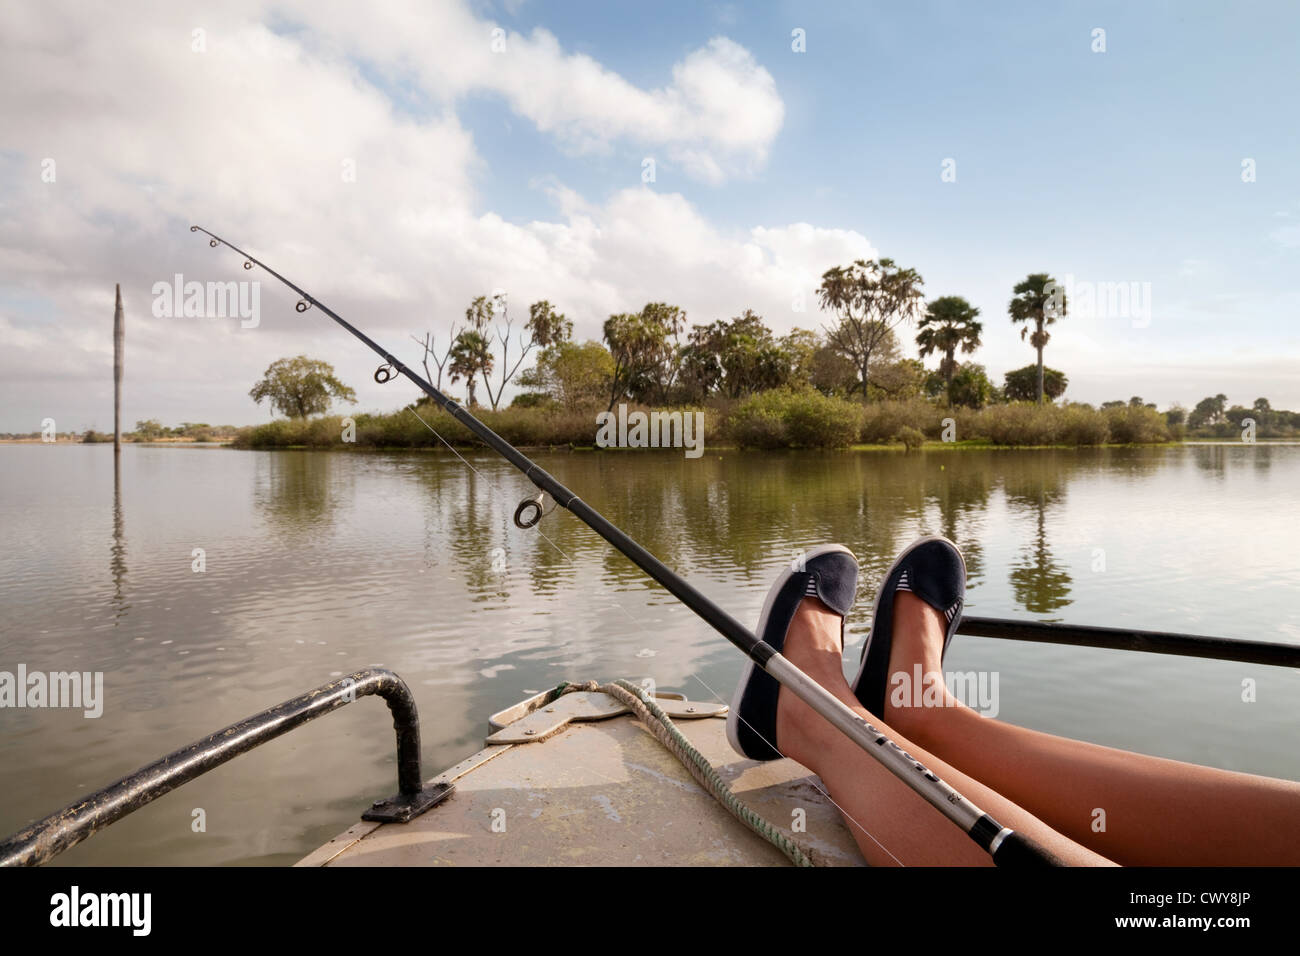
[{"x": 318, "y": 564}]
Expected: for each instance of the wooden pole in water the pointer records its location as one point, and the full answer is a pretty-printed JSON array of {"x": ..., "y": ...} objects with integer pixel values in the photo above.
[{"x": 119, "y": 335}]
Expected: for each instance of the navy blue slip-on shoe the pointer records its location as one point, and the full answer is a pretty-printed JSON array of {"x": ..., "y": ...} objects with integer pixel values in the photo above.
[
  {"x": 934, "y": 570},
  {"x": 831, "y": 574}
]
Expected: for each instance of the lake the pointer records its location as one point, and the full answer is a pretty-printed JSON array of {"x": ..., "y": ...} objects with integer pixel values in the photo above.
[{"x": 317, "y": 564}]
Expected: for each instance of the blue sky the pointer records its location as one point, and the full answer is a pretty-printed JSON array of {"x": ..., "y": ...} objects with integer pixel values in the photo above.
[
  {"x": 1119, "y": 166},
  {"x": 523, "y": 171}
]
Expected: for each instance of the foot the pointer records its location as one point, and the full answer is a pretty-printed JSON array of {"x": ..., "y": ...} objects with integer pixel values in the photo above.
[
  {"x": 813, "y": 644},
  {"x": 812, "y": 600},
  {"x": 917, "y": 648},
  {"x": 930, "y": 571}
]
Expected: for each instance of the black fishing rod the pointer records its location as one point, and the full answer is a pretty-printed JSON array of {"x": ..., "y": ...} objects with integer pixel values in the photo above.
[{"x": 1007, "y": 847}]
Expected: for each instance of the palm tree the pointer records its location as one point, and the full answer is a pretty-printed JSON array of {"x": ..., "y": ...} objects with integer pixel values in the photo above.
[
  {"x": 470, "y": 356},
  {"x": 949, "y": 324},
  {"x": 1041, "y": 301}
]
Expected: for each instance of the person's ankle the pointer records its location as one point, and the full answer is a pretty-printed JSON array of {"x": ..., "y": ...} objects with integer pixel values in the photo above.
[
  {"x": 915, "y": 690},
  {"x": 914, "y": 699},
  {"x": 813, "y": 645}
]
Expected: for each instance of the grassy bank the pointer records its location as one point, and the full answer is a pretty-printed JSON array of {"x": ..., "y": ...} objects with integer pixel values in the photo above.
[
  {"x": 407, "y": 428},
  {"x": 784, "y": 420},
  {"x": 774, "y": 419}
]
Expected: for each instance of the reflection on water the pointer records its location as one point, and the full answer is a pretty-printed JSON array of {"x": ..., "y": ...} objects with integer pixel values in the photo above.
[
  {"x": 1040, "y": 583},
  {"x": 117, "y": 560},
  {"x": 297, "y": 493},
  {"x": 320, "y": 563}
]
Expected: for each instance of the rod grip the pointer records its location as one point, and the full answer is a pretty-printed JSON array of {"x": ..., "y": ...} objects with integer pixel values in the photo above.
[{"x": 1019, "y": 851}]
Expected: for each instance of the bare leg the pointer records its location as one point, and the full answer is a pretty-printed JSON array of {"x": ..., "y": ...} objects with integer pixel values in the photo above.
[
  {"x": 1158, "y": 812},
  {"x": 891, "y": 823}
]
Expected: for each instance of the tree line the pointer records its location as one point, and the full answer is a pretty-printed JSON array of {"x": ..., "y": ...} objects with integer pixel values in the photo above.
[{"x": 652, "y": 357}]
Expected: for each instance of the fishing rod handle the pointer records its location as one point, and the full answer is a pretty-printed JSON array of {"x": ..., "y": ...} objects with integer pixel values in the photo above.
[{"x": 1017, "y": 851}]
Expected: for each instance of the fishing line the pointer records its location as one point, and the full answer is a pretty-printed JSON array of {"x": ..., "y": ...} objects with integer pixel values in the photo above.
[
  {"x": 639, "y": 629},
  {"x": 1005, "y": 845}
]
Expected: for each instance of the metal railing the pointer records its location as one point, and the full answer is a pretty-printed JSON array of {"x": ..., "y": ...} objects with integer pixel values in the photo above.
[
  {"x": 46, "y": 838},
  {"x": 1124, "y": 639}
]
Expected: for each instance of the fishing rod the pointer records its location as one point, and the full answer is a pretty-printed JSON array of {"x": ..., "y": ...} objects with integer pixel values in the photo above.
[{"x": 1006, "y": 846}]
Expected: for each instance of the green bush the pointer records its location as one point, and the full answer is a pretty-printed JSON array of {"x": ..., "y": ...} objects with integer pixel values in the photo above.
[
  {"x": 910, "y": 437},
  {"x": 814, "y": 420},
  {"x": 1082, "y": 425},
  {"x": 522, "y": 426},
  {"x": 1026, "y": 423},
  {"x": 971, "y": 387},
  {"x": 802, "y": 418},
  {"x": 779, "y": 418},
  {"x": 881, "y": 421},
  {"x": 1019, "y": 423},
  {"x": 758, "y": 422},
  {"x": 1136, "y": 423}
]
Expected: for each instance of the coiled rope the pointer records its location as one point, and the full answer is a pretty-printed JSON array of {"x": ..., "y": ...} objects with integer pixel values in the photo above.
[{"x": 661, "y": 725}]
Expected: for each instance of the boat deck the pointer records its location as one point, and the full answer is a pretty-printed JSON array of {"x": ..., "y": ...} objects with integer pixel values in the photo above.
[{"x": 582, "y": 782}]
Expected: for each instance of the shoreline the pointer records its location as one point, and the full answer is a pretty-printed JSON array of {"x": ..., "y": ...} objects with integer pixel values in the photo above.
[{"x": 969, "y": 445}]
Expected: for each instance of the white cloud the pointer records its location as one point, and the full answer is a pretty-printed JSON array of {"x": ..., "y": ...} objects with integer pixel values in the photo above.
[
  {"x": 250, "y": 137},
  {"x": 717, "y": 117}
]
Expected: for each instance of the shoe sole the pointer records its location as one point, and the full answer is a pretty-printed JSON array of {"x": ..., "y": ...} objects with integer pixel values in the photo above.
[{"x": 733, "y": 712}]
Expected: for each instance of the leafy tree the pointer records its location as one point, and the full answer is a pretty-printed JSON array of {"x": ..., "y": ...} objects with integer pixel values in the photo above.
[
  {"x": 1263, "y": 412},
  {"x": 300, "y": 386},
  {"x": 531, "y": 399},
  {"x": 1039, "y": 302},
  {"x": 1208, "y": 411},
  {"x": 752, "y": 359},
  {"x": 701, "y": 367},
  {"x": 892, "y": 376},
  {"x": 1238, "y": 414},
  {"x": 471, "y": 356},
  {"x": 831, "y": 372},
  {"x": 644, "y": 348},
  {"x": 799, "y": 346},
  {"x": 150, "y": 428},
  {"x": 480, "y": 312},
  {"x": 898, "y": 379},
  {"x": 735, "y": 357},
  {"x": 948, "y": 325},
  {"x": 1023, "y": 384},
  {"x": 1176, "y": 415},
  {"x": 971, "y": 387},
  {"x": 869, "y": 300},
  {"x": 575, "y": 376}
]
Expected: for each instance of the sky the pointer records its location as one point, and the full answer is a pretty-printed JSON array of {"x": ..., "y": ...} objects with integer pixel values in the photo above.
[{"x": 398, "y": 159}]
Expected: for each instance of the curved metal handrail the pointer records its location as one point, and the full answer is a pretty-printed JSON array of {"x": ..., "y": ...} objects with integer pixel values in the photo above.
[{"x": 59, "y": 831}]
